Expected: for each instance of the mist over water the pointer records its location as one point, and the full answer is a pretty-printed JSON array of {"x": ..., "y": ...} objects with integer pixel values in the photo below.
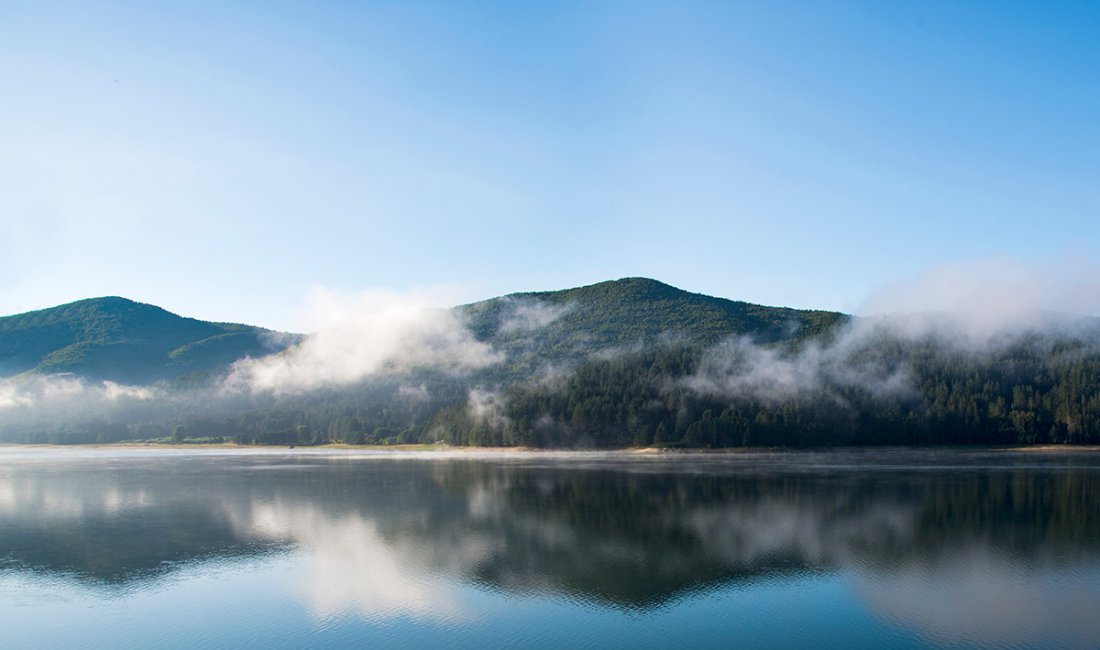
[{"x": 899, "y": 549}]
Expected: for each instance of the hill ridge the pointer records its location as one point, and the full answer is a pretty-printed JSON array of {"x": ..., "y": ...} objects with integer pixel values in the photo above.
[
  {"x": 637, "y": 309},
  {"x": 119, "y": 339}
]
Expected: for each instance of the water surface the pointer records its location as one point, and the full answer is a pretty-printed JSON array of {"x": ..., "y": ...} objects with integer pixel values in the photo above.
[{"x": 299, "y": 548}]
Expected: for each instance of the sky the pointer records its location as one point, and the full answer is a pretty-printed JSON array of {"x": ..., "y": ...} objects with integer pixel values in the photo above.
[{"x": 227, "y": 160}]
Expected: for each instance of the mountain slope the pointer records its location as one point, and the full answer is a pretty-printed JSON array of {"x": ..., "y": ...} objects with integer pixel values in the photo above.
[
  {"x": 624, "y": 363},
  {"x": 124, "y": 341},
  {"x": 555, "y": 324}
]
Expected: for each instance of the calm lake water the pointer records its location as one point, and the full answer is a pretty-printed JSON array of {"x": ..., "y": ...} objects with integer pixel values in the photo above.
[{"x": 306, "y": 549}]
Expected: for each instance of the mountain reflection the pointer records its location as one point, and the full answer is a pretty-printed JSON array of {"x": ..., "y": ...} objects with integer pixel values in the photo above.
[{"x": 976, "y": 550}]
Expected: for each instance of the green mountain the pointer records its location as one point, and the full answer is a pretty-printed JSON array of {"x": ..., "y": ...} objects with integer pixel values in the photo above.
[
  {"x": 631, "y": 362},
  {"x": 124, "y": 341},
  {"x": 572, "y": 322}
]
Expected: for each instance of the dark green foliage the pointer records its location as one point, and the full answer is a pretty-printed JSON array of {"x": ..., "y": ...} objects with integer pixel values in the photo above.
[
  {"x": 373, "y": 412},
  {"x": 633, "y": 312},
  {"x": 1020, "y": 395},
  {"x": 123, "y": 341},
  {"x": 603, "y": 366}
]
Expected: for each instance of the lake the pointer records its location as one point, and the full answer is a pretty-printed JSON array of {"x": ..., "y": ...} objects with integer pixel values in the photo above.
[{"x": 109, "y": 548}]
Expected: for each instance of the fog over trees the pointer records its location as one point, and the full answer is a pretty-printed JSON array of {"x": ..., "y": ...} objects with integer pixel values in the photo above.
[{"x": 618, "y": 364}]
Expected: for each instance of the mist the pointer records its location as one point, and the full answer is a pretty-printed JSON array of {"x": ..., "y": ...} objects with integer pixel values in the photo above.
[
  {"x": 529, "y": 315},
  {"x": 68, "y": 393},
  {"x": 390, "y": 362},
  {"x": 65, "y": 408},
  {"x": 986, "y": 299},
  {"x": 974, "y": 309},
  {"x": 741, "y": 368},
  {"x": 362, "y": 335}
]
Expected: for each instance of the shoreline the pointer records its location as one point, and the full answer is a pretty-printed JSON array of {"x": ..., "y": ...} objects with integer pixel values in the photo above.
[{"x": 629, "y": 451}]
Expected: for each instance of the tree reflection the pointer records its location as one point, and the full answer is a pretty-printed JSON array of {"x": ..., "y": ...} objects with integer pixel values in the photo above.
[{"x": 384, "y": 538}]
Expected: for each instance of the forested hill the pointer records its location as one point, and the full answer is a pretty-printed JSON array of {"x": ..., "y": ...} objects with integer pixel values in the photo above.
[
  {"x": 630, "y": 362},
  {"x": 631, "y": 311},
  {"x": 124, "y": 341}
]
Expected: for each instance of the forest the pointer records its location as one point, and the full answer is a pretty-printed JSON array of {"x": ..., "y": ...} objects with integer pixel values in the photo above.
[
  {"x": 621, "y": 364},
  {"x": 1030, "y": 393}
]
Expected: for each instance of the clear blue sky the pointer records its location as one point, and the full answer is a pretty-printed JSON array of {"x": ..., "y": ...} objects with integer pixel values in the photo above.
[{"x": 219, "y": 158}]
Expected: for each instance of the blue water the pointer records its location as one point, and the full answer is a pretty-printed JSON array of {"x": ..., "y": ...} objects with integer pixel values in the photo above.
[{"x": 302, "y": 549}]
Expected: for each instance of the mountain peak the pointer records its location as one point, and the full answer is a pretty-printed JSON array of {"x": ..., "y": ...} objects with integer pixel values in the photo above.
[
  {"x": 119, "y": 339},
  {"x": 641, "y": 288},
  {"x": 635, "y": 310},
  {"x": 123, "y": 340}
]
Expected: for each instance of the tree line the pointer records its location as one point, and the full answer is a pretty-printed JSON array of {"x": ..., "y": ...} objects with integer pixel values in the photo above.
[{"x": 1034, "y": 392}]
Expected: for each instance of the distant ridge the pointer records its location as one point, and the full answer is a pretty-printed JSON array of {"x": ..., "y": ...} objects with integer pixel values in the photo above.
[
  {"x": 632, "y": 310},
  {"x": 628, "y": 362},
  {"x": 121, "y": 340}
]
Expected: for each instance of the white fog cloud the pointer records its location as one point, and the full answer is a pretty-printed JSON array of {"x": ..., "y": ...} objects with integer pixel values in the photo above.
[
  {"x": 991, "y": 297},
  {"x": 486, "y": 408},
  {"x": 360, "y": 335},
  {"x": 65, "y": 391},
  {"x": 972, "y": 307},
  {"x": 741, "y": 368},
  {"x": 530, "y": 315}
]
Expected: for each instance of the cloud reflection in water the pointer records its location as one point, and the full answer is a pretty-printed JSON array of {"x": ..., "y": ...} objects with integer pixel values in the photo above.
[{"x": 963, "y": 554}]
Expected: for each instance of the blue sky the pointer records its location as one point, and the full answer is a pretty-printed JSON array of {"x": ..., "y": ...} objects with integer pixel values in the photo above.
[{"x": 220, "y": 159}]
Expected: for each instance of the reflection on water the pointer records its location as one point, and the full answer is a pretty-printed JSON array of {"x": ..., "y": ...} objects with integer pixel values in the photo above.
[{"x": 909, "y": 548}]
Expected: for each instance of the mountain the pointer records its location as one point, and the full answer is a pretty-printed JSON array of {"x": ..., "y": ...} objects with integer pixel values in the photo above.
[
  {"x": 124, "y": 341},
  {"x": 630, "y": 362},
  {"x": 631, "y": 311}
]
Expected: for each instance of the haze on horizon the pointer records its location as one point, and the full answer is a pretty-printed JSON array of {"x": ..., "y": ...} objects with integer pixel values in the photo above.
[{"x": 229, "y": 162}]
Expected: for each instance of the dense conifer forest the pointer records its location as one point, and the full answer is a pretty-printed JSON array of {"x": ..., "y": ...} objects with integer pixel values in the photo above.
[{"x": 631, "y": 363}]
